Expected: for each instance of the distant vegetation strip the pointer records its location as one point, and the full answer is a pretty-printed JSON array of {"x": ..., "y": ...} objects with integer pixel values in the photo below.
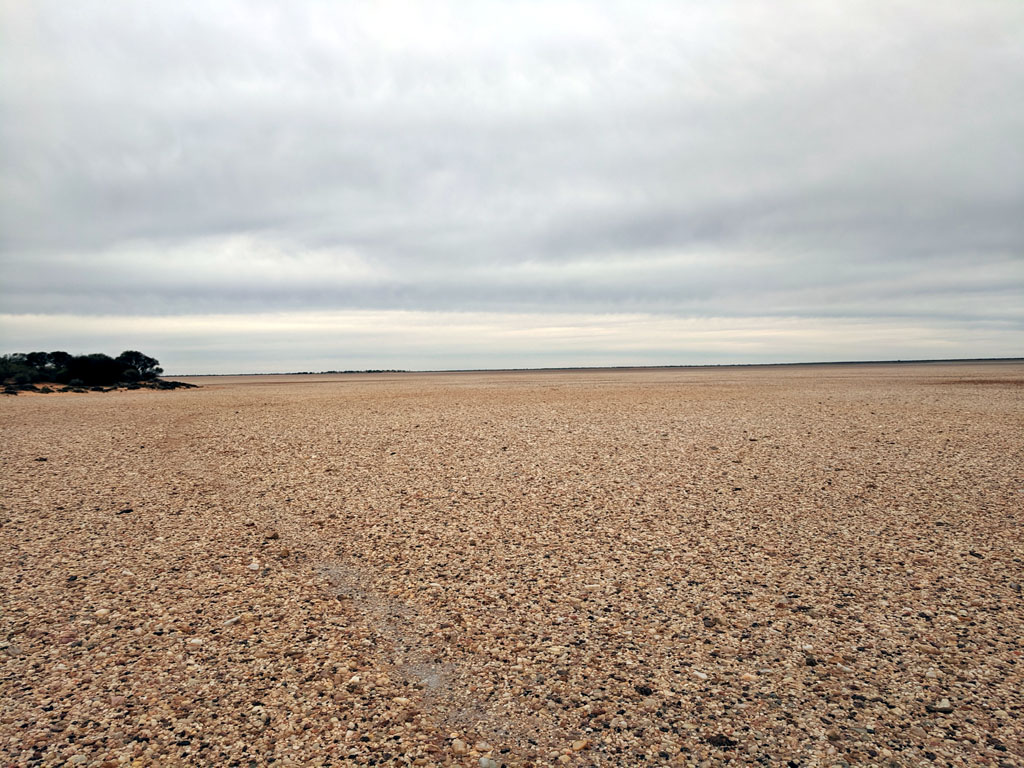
[
  {"x": 63, "y": 372},
  {"x": 296, "y": 373},
  {"x": 668, "y": 366}
]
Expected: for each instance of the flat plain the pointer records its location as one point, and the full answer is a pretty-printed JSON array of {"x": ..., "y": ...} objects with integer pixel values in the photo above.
[{"x": 807, "y": 565}]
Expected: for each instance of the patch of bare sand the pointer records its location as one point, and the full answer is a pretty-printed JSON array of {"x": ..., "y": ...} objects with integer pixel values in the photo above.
[{"x": 709, "y": 566}]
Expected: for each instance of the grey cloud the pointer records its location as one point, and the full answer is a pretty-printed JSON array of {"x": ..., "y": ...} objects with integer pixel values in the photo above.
[{"x": 735, "y": 159}]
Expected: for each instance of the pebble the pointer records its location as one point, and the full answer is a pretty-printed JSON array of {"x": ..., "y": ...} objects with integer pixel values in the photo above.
[
  {"x": 486, "y": 762},
  {"x": 603, "y": 536},
  {"x": 942, "y": 706}
]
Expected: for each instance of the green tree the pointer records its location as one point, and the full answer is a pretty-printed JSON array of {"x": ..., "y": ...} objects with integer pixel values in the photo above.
[
  {"x": 95, "y": 370},
  {"x": 16, "y": 367},
  {"x": 147, "y": 367}
]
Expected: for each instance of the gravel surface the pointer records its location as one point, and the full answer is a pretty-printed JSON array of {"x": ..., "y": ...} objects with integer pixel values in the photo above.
[{"x": 817, "y": 566}]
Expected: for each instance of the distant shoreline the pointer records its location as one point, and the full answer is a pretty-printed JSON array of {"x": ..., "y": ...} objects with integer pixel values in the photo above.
[{"x": 822, "y": 363}]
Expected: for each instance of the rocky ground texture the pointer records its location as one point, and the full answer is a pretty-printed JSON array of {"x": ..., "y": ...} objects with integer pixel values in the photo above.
[{"x": 804, "y": 566}]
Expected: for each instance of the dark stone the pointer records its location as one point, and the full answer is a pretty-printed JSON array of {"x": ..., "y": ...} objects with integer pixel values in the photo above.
[
  {"x": 643, "y": 690},
  {"x": 718, "y": 740}
]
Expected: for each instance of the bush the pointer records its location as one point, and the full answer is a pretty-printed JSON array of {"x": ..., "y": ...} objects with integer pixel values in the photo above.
[
  {"x": 95, "y": 370},
  {"x": 143, "y": 366},
  {"x": 15, "y": 365}
]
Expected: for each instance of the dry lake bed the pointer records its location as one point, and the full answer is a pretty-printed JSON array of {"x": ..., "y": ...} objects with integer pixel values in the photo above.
[{"x": 804, "y": 566}]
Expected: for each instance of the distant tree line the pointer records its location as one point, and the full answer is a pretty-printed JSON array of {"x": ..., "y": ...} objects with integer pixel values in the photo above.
[{"x": 133, "y": 369}]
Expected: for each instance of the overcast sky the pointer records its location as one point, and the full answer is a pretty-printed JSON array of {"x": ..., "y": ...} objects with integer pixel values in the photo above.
[{"x": 262, "y": 186}]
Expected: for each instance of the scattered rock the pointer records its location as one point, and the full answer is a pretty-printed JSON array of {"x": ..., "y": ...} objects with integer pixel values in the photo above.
[
  {"x": 620, "y": 606},
  {"x": 942, "y": 706},
  {"x": 720, "y": 741}
]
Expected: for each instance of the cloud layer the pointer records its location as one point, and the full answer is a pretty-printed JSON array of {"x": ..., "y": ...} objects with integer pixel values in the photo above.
[{"x": 743, "y": 161}]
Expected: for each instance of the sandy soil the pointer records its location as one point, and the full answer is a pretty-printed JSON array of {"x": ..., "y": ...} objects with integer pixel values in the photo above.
[{"x": 762, "y": 566}]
